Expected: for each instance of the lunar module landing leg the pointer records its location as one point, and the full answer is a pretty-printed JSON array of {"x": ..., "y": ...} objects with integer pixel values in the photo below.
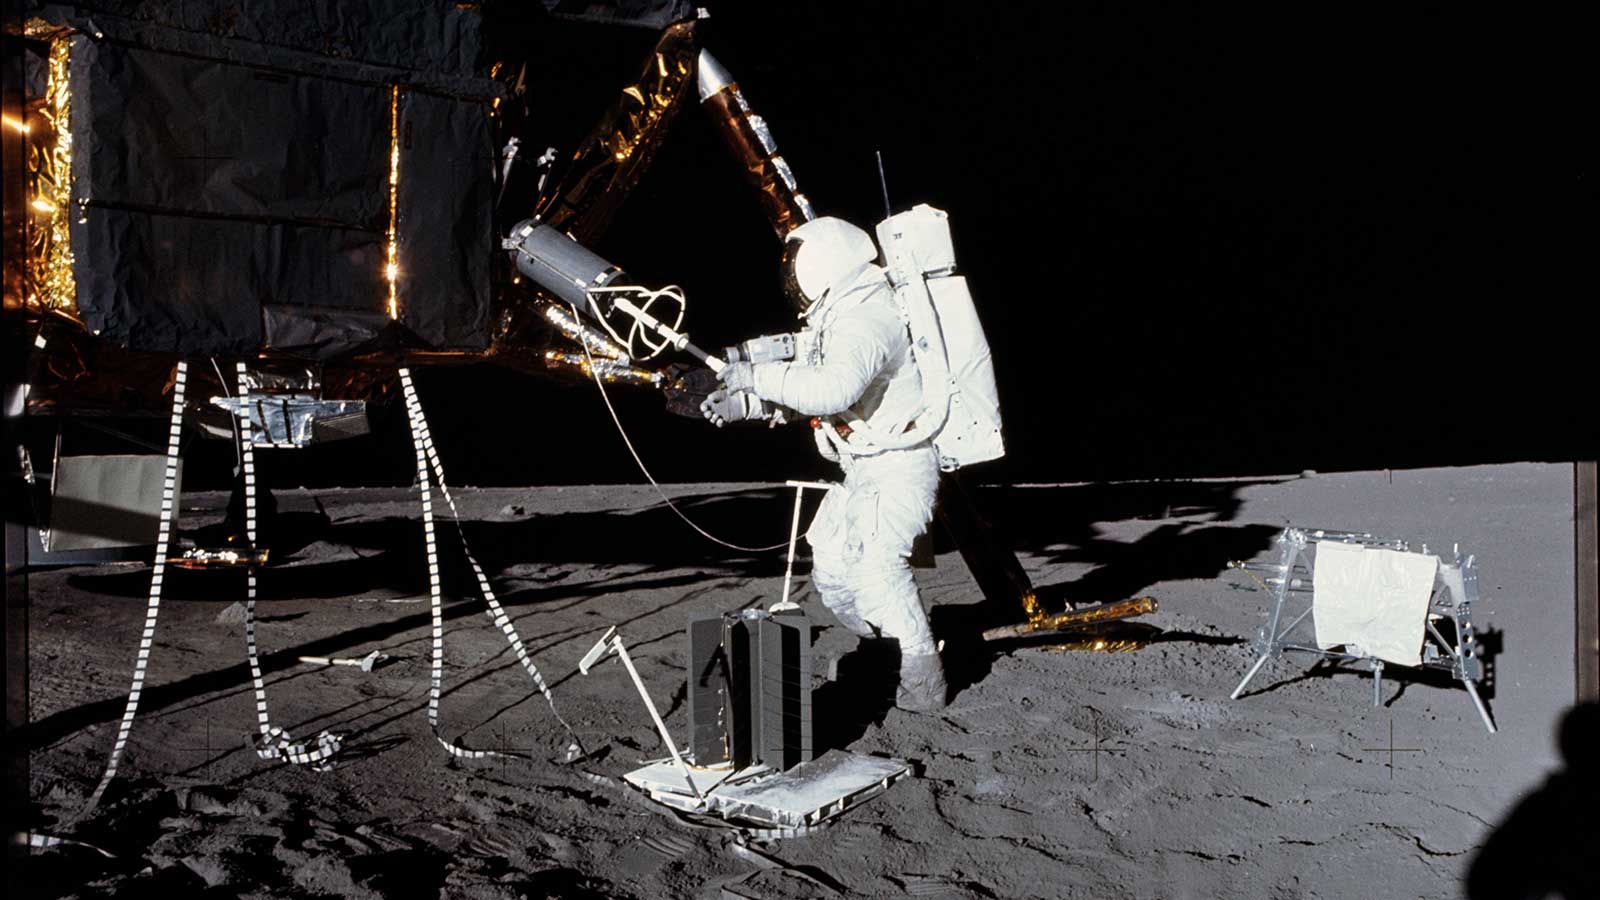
[{"x": 749, "y": 138}]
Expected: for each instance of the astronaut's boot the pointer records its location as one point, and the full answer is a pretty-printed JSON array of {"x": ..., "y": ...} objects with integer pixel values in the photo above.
[{"x": 922, "y": 685}]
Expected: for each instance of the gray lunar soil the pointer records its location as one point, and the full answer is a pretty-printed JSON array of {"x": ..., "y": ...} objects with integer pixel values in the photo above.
[{"x": 1052, "y": 774}]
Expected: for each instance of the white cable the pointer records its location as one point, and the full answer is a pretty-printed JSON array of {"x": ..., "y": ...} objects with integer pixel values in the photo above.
[
  {"x": 224, "y": 381},
  {"x": 41, "y": 841},
  {"x": 652, "y": 479},
  {"x": 233, "y": 421}
]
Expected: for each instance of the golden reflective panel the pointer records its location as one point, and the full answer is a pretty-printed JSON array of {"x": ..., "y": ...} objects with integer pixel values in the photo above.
[
  {"x": 582, "y": 332},
  {"x": 51, "y": 284},
  {"x": 1107, "y": 637},
  {"x": 1031, "y": 607},
  {"x": 1104, "y": 612},
  {"x": 611, "y": 160},
  {"x": 780, "y": 198},
  {"x": 391, "y": 270},
  {"x": 610, "y": 371}
]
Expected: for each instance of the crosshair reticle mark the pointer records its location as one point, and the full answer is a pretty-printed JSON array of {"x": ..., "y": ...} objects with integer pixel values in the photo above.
[
  {"x": 506, "y": 754},
  {"x": 208, "y": 162},
  {"x": 1095, "y": 749},
  {"x": 1391, "y": 749},
  {"x": 208, "y": 749}
]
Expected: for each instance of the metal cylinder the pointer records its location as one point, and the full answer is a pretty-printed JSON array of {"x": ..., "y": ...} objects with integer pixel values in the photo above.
[{"x": 560, "y": 264}]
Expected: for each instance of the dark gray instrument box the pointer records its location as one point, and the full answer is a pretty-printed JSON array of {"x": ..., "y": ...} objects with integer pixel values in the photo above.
[{"x": 750, "y": 689}]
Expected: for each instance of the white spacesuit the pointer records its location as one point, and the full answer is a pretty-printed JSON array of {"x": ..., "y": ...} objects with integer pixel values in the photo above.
[{"x": 861, "y": 363}]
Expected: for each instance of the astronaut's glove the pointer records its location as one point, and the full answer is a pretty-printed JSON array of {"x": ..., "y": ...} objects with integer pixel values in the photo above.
[
  {"x": 739, "y": 376},
  {"x": 724, "y": 406}
]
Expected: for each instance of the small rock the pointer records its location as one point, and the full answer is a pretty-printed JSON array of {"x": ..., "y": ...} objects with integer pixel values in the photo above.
[
  {"x": 513, "y": 510},
  {"x": 233, "y": 615},
  {"x": 209, "y": 869}
]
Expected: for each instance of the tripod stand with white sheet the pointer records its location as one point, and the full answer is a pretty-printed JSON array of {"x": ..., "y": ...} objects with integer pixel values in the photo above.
[{"x": 1369, "y": 600}]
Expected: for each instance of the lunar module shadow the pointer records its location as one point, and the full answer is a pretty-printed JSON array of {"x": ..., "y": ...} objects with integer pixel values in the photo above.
[
  {"x": 1191, "y": 538},
  {"x": 1061, "y": 524}
]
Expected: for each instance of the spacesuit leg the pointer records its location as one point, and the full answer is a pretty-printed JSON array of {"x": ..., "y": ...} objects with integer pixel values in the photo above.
[
  {"x": 862, "y": 539},
  {"x": 837, "y": 596},
  {"x": 888, "y": 602},
  {"x": 831, "y": 561},
  {"x": 890, "y": 605}
]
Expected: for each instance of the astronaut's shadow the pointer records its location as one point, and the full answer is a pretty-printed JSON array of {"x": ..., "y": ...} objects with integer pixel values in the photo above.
[{"x": 858, "y": 695}]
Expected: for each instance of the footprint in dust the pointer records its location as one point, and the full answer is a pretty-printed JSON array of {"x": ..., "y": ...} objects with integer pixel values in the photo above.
[
  {"x": 672, "y": 846},
  {"x": 938, "y": 886}
]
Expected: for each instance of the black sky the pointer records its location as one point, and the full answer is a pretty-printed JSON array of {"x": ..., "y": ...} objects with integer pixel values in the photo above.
[{"x": 1202, "y": 243}]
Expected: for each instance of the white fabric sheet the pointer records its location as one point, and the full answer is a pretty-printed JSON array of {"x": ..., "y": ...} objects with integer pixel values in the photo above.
[{"x": 1373, "y": 601}]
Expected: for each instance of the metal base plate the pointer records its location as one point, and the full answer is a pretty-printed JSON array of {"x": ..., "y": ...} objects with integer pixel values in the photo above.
[{"x": 805, "y": 794}]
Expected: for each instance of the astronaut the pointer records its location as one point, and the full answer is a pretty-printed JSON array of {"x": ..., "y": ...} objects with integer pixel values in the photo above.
[{"x": 859, "y": 362}]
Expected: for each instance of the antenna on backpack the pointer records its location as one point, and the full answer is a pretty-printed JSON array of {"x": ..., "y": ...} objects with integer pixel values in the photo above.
[{"x": 888, "y": 211}]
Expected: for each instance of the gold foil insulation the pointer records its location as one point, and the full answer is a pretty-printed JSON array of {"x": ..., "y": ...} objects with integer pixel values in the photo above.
[
  {"x": 51, "y": 285},
  {"x": 1090, "y": 615},
  {"x": 70, "y": 369},
  {"x": 1032, "y": 608},
  {"x": 198, "y": 558},
  {"x": 753, "y": 147},
  {"x": 610, "y": 371},
  {"x": 582, "y": 333},
  {"x": 391, "y": 268},
  {"x": 1107, "y": 637},
  {"x": 612, "y": 159}
]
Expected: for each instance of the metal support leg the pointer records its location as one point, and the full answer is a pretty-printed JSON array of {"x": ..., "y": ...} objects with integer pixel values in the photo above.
[
  {"x": 611, "y": 642},
  {"x": 794, "y": 537},
  {"x": 1483, "y": 711},
  {"x": 1249, "y": 675},
  {"x": 1270, "y": 637},
  {"x": 1460, "y": 668},
  {"x": 1000, "y": 576},
  {"x": 661, "y": 726},
  {"x": 1377, "y": 682}
]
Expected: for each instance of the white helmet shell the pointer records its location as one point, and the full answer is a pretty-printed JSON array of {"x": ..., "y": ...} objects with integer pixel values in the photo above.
[{"x": 830, "y": 252}]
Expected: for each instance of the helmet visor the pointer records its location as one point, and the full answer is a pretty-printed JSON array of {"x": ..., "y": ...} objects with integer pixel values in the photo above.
[{"x": 791, "y": 281}]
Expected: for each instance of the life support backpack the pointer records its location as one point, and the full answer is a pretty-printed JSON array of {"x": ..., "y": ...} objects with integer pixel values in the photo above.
[{"x": 961, "y": 411}]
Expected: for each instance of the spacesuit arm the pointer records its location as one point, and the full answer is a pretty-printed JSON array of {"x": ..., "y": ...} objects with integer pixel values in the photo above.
[{"x": 856, "y": 347}]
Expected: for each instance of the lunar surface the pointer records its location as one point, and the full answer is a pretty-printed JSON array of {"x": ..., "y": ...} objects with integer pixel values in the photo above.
[{"x": 1053, "y": 773}]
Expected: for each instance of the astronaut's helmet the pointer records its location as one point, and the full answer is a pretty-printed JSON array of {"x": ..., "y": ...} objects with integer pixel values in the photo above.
[{"x": 820, "y": 255}]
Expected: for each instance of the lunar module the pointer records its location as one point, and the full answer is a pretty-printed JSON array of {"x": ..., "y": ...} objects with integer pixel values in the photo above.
[{"x": 256, "y": 226}]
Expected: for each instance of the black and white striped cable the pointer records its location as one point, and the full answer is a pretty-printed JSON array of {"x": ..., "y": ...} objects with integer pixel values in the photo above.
[
  {"x": 169, "y": 489},
  {"x": 430, "y": 468},
  {"x": 274, "y": 742}
]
